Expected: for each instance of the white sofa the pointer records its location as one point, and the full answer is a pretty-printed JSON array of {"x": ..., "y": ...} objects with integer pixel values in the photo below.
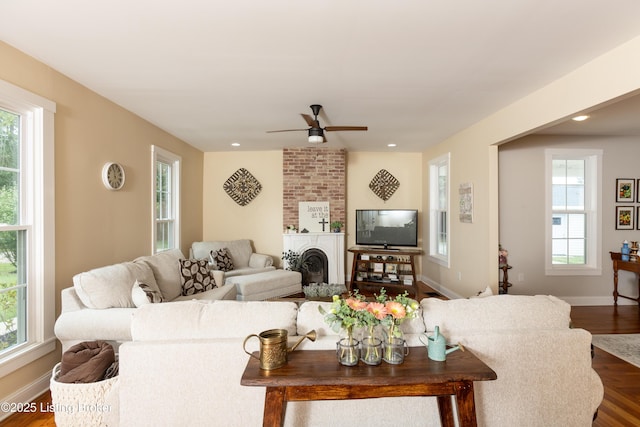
[
  {"x": 100, "y": 304},
  {"x": 184, "y": 364}
]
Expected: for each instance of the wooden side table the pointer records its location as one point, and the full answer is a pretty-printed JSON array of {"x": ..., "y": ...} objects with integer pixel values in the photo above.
[
  {"x": 618, "y": 264},
  {"x": 317, "y": 375}
]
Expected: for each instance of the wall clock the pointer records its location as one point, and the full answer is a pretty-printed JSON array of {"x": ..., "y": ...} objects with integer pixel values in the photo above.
[{"x": 113, "y": 176}]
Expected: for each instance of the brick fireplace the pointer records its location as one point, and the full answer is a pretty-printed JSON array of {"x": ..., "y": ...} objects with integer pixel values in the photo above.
[
  {"x": 313, "y": 175},
  {"x": 325, "y": 252},
  {"x": 316, "y": 175}
]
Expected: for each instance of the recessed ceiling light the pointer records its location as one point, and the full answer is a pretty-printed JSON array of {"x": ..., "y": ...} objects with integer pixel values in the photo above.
[
  {"x": 580, "y": 118},
  {"x": 235, "y": 144},
  {"x": 392, "y": 145}
]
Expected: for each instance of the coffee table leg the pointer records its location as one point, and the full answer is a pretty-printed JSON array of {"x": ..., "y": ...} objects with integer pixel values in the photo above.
[
  {"x": 466, "y": 404},
  {"x": 274, "y": 407},
  {"x": 446, "y": 411}
]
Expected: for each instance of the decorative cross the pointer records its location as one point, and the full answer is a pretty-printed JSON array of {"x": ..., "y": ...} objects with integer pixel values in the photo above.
[{"x": 323, "y": 222}]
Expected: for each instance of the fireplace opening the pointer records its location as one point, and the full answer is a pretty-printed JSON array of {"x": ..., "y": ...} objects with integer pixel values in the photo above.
[{"x": 316, "y": 267}]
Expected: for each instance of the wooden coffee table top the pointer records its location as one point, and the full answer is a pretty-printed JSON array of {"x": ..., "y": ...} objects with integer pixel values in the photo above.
[{"x": 321, "y": 367}]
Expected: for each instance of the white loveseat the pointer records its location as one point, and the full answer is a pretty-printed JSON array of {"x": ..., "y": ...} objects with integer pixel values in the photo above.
[
  {"x": 184, "y": 364},
  {"x": 253, "y": 274},
  {"x": 245, "y": 260}
]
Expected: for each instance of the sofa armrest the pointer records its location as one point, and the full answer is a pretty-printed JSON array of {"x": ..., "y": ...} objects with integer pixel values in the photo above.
[
  {"x": 70, "y": 301},
  {"x": 260, "y": 260},
  {"x": 544, "y": 375}
]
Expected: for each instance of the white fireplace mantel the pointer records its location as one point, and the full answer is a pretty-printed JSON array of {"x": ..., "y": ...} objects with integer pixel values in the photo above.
[{"x": 332, "y": 244}]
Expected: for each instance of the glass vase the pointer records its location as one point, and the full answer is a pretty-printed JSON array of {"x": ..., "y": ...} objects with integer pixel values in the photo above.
[
  {"x": 347, "y": 347},
  {"x": 394, "y": 346},
  {"x": 348, "y": 351},
  {"x": 371, "y": 350}
]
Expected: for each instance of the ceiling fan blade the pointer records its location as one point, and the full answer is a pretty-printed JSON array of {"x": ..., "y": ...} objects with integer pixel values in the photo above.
[
  {"x": 335, "y": 128},
  {"x": 310, "y": 121},
  {"x": 286, "y": 130}
]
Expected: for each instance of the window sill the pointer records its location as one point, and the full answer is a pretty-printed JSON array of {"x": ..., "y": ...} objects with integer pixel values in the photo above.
[
  {"x": 22, "y": 357},
  {"x": 572, "y": 271}
]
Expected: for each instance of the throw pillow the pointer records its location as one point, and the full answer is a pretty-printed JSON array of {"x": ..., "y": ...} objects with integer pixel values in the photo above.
[
  {"x": 194, "y": 276},
  {"x": 143, "y": 294},
  {"x": 220, "y": 260}
]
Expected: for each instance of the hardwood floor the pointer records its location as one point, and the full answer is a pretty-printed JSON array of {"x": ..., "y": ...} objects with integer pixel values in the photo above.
[
  {"x": 621, "y": 404},
  {"x": 621, "y": 380}
]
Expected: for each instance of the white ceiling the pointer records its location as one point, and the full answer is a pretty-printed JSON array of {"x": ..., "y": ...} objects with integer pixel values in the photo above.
[{"x": 213, "y": 72}]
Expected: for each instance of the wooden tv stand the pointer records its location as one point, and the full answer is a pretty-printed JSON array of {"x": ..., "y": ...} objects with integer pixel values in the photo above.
[{"x": 376, "y": 268}]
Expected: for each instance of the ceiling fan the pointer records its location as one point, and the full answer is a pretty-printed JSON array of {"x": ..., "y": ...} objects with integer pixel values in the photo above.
[{"x": 315, "y": 131}]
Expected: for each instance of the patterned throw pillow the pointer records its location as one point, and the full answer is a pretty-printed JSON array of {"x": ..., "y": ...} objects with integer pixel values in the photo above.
[
  {"x": 195, "y": 277},
  {"x": 220, "y": 260},
  {"x": 143, "y": 294}
]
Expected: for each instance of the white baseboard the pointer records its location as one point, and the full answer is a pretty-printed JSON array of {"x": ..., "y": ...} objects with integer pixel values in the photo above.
[
  {"x": 439, "y": 288},
  {"x": 27, "y": 393}
]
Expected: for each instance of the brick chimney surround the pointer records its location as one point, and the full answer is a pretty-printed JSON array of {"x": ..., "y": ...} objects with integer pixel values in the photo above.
[{"x": 316, "y": 175}]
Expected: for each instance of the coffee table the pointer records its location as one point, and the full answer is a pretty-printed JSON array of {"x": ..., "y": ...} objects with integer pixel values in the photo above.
[{"x": 317, "y": 375}]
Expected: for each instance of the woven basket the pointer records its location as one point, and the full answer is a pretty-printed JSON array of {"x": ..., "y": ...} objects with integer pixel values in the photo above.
[{"x": 86, "y": 404}]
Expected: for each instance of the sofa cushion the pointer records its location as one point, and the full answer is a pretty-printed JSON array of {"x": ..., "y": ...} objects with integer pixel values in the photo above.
[
  {"x": 205, "y": 320},
  {"x": 220, "y": 260},
  {"x": 166, "y": 271},
  {"x": 143, "y": 294},
  {"x": 110, "y": 286},
  {"x": 498, "y": 312},
  {"x": 195, "y": 276},
  {"x": 239, "y": 250}
]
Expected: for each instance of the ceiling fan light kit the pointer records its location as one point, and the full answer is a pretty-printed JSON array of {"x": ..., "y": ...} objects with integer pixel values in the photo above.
[
  {"x": 316, "y": 136},
  {"x": 315, "y": 132}
]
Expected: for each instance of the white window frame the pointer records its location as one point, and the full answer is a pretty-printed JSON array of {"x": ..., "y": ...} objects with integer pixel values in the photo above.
[
  {"x": 593, "y": 210},
  {"x": 434, "y": 212},
  {"x": 159, "y": 154},
  {"x": 38, "y": 218}
]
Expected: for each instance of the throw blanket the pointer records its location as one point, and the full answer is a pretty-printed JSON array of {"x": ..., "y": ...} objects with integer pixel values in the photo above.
[{"x": 86, "y": 362}]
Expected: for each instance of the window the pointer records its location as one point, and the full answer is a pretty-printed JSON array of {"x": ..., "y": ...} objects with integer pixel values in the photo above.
[
  {"x": 27, "y": 248},
  {"x": 439, "y": 210},
  {"x": 573, "y": 212},
  {"x": 166, "y": 200}
]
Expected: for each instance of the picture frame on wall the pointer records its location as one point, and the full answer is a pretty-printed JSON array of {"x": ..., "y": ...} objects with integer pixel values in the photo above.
[
  {"x": 638, "y": 193},
  {"x": 625, "y": 216},
  {"x": 638, "y": 218},
  {"x": 625, "y": 190}
]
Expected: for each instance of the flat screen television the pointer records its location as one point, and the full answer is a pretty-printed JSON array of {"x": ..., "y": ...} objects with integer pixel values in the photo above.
[{"x": 387, "y": 227}]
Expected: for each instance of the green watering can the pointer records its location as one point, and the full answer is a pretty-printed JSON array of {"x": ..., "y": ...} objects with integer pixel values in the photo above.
[{"x": 437, "y": 346}]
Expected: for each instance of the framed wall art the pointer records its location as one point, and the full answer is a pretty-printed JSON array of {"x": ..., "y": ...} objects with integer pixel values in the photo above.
[
  {"x": 466, "y": 202},
  {"x": 625, "y": 190},
  {"x": 624, "y": 217}
]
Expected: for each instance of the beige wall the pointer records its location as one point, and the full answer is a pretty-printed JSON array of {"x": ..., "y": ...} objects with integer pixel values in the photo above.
[
  {"x": 261, "y": 219},
  {"x": 95, "y": 226},
  {"x": 474, "y": 159},
  {"x": 361, "y": 168}
]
